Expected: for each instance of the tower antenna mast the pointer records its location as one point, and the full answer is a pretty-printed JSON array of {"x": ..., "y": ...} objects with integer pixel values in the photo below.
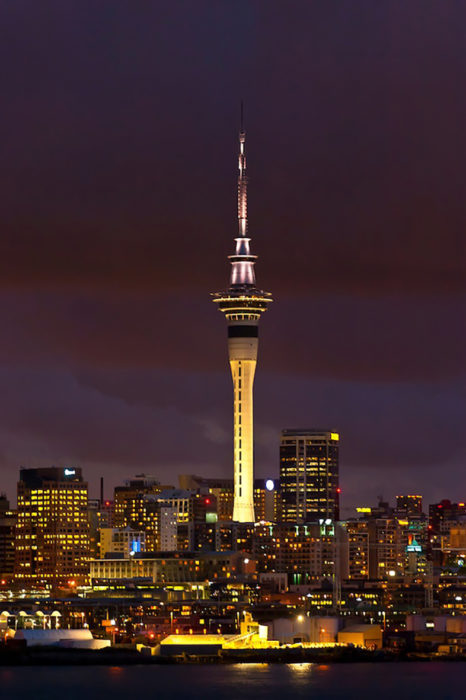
[{"x": 243, "y": 304}]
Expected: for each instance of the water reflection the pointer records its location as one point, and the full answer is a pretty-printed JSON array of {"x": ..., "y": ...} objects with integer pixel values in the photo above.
[
  {"x": 301, "y": 673},
  {"x": 300, "y": 668},
  {"x": 251, "y": 667}
]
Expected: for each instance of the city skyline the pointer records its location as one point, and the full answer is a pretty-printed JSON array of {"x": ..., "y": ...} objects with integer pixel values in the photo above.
[{"x": 118, "y": 210}]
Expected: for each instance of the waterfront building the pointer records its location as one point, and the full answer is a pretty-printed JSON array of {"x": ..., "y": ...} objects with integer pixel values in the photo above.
[
  {"x": 243, "y": 304},
  {"x": 52, "y": 534},
  {"x": 309, "y": 484}
]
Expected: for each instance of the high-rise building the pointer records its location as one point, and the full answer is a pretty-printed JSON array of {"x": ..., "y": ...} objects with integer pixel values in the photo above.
[
  {"x": 168, "y": 529},
  {"x": 8, "y": 520},
  {"x": 408, "y": 505},
  {"x": 243, "y": 304},
  {"x": 52, "y": 534},
  {"x": 129, "y": 500},
  {"x": 358, "y": 548},
  {"x": 309, "y": 475},
  {"x": 443, "y": 513},
  {"x": 99, "y": 515},
  {"x": 387, "y": 547}
]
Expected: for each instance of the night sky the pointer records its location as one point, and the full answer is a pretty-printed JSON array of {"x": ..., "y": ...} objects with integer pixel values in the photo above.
[{"x": 119, "y": 126}]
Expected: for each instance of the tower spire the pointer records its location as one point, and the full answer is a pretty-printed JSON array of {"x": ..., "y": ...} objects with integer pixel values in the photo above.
[
  {"x": 242, "y": 182},
  {"x": 242, "y": 262},
  {"x": 243, "y": 304}
]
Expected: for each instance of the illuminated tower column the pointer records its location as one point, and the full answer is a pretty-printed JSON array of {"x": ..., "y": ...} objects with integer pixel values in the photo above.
[
  {"x": 242, "y": 353},
  {"x": 242, "y": 303}
]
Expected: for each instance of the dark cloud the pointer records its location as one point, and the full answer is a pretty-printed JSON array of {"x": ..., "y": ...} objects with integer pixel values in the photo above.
[
  {"x": 119, "y": 423},
  {"x": 119, "y": 127},
  {"x": 392, "y": 338},
  {"x": 118, "y": 130}
]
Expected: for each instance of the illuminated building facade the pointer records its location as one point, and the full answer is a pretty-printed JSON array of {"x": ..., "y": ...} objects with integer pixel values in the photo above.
[
  {"x": 243, "y": 304},
  {"x": 52, "y": 534},
  {"x": 306, "y": 553},
  {"x": 408, "y": 505},
  {"x": 128, "y": 500},
  {"x": 136, "y": 506},
  {"x": 169, "y": 567},
  {"x": 358, "y": 549},
  {"x": 265, "y": 500},
  {"x": 265, "y": 496},
  {"x": 168, "y": 529},
  {"x": 387, "y": 547},
  {"x": 221, "y": 489},
  {"x": 8, "y": 519},
  {"x": 125, "y": 541},
  {"x": 164, "y": 513},
  {"x": 309, "y": 475},
  {"x": 443, "y": 514},
  {"x": 100, "y": 515}
]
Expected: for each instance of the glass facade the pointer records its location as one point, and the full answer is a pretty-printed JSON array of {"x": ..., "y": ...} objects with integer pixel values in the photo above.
[{"x": 309, "y": 475}]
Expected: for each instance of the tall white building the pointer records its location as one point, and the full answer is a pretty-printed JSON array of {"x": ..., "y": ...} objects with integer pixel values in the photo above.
[{"x": 243, "y": 303}]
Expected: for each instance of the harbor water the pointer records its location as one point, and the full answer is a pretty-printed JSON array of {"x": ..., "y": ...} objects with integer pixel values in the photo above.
[{"x": 377, "y": 681}]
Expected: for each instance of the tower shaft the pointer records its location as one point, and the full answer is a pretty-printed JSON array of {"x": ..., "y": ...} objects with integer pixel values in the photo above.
[
  {"x": 242, "y": 354},
  {"x": 243, "y": 303}
]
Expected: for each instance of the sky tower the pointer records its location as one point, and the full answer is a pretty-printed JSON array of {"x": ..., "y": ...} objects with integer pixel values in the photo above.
[{"x": 243, "y": 303}]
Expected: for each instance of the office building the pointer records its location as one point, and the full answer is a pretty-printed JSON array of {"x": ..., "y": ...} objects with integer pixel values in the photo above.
[
  {"x": 443, "y": 514},
  {"x": 309, "y": 475},
  {"x": 8, "y": 519},
  {"x": 100, "y": 516},
  {"x": 221, "y": 489},
  {"x": 408, "y": 505},
  {"x": 265, "y": 500},
  {"x": 129, "y": 509},
  {"x": 387, "y": 548},
  {"x": 307, "y": 553},
  {"x": 52, "y": 534},
  {"x": 358, "y": 549},
  {"x": 125, "y": 541}
]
